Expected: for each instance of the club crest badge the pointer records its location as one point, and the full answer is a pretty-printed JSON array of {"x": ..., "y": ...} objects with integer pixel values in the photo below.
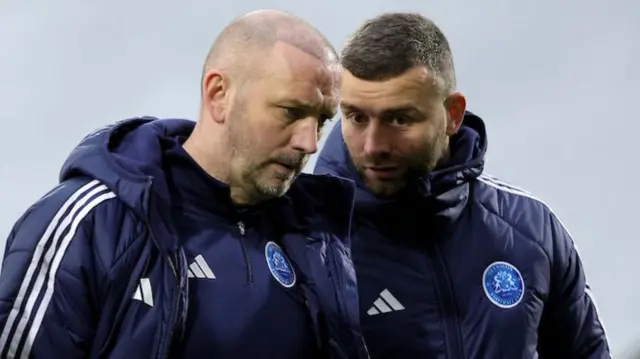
[
  {"x": 279, "y": 265},
  {"x": 503, "y": 284}
]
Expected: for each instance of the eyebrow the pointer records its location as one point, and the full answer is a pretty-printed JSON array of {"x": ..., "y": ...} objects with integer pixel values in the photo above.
[
  {"x": 398, "y": 109},
  {"x": 350, "y": 107},
  {"x": 309, "y": 107}
]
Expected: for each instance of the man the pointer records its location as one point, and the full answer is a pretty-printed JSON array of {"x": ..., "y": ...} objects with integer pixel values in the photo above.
[
  {"x": 169, "y": 240},
  {"x": 451, "y": 263}
]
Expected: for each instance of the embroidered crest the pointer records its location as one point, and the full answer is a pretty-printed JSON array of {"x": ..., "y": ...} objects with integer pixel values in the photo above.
[
  {"x": 503, "y": 284},
  {"x": 279, "y": 265}
]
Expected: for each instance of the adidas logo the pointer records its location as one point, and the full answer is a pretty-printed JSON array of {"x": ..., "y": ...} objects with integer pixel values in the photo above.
[
  {"x": 385, "y": 303},
  {"x": 143, "y": 292},
  {"x": 200, "y": 269}
]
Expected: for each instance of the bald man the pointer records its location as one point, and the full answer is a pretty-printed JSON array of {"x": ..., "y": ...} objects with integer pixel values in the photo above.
[{"x": 169, "y": 238}]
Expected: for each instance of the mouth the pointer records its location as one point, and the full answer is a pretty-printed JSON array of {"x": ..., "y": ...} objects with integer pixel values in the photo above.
[
  {"x": 383, "y": 168},
  {"x": 384, "y": 172},
  {"x": 286, "y": 168}
]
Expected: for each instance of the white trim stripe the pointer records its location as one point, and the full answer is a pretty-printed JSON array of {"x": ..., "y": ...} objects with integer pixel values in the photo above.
[
  {"x": 64, "y": 222},
  {"x": 59, "y": 254},
  {"x": 592, "y": 298},
  {"x": 488, "y": 178},
  {"x": 509, "y": 188},
  {"x": 35, "y": 260}
]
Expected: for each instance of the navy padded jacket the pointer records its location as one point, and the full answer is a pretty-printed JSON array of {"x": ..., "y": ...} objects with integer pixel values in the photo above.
[
  {"x": 94, "y": 268},
  {"x": 464, "y": 265}
]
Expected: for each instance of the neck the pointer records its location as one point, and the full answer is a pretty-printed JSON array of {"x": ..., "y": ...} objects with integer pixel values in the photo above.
[
  {"x": 214, "y": 157},
  {"x": 207, "y": 156},
  {"x": 446, "y": 155}
]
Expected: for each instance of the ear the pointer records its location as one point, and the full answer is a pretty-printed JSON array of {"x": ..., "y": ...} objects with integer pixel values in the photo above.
[
  {"x": 215, "y": 94},
  {"x": 455, "y": 105}
]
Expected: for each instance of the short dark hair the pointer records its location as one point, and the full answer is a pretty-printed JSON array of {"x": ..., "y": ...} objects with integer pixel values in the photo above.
[{"x": 390, "y": 44}]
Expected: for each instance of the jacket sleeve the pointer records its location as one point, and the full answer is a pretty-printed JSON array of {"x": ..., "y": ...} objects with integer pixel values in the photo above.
[
  {"x": 571, "y": 327},
  {"x": 48, "y": 293}
]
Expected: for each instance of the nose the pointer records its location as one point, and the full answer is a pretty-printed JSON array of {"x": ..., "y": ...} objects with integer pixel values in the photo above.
[
  {"x": 305, "y": 136},
  {"x": 376, "y": 142}
]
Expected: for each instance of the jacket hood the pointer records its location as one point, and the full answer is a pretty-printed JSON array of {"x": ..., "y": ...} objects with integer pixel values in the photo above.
[
  {"x": 127, "y": 157},
  {"x": 445, "y": 187}
]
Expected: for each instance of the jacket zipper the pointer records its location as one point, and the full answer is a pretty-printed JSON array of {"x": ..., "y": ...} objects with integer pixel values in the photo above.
[
  {"x": 164, "y": 353},
  {"x": 242, "y": 229},
  {"x": 357, "y": 343},
  {"x": 447, "y": 302}
]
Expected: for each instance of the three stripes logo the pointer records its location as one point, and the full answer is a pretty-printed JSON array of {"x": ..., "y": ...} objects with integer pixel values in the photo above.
[
  {"x": 200, "y": 269},
  {"x": 385, "y": 303},
  {"x": 39, "y": 282},
  {"x": 143, "y": 292}
]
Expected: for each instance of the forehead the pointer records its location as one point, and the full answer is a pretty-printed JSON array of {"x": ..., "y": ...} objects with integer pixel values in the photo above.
[
  {"x": 414, "y": 88},
  {"x": 299, "y": 75}
]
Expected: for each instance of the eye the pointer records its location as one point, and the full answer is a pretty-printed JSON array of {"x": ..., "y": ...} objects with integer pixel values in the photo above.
[
  {"x": 293, "y": 113},
  {"x": 399, "y": 121},
  {"x": 356, "y": 117}
]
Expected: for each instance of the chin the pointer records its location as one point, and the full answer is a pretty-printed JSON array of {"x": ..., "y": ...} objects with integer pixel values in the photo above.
[
  {"x": 276, "y": 187},
  {"x": 384, "y": 189}
]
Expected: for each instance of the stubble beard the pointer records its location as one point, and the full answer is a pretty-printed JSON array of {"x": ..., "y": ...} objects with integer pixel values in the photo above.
[
  {"x": 254, "y": 178},
  {"x": 420, "y": 165},
  {"x": 285, "y": 181}
]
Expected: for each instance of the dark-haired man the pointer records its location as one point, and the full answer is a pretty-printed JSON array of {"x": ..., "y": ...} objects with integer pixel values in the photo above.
[{"x": 451, "y": 262}]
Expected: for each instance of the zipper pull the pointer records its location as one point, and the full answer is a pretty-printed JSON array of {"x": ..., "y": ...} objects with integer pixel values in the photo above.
[{"x": 241, "y": 227}]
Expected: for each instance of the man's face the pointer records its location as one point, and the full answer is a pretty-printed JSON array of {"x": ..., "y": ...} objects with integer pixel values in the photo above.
[
  {"x": 275, "y": 120},
  {"x": 394, "y": 128}
]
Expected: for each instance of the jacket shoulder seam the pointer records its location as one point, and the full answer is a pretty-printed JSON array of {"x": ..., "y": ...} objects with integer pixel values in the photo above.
[
  {"x": 504, "y": 187},
  {"x": 515, "y": 228}
]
